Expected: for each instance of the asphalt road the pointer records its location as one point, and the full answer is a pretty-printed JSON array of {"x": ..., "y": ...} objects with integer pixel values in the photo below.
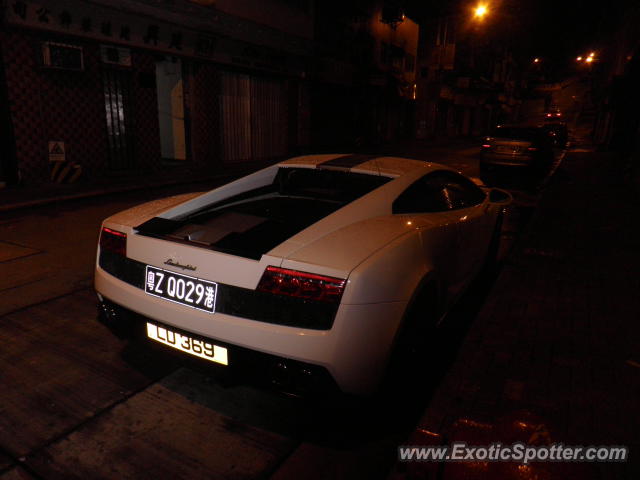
[{"x": 75, "y": 402}]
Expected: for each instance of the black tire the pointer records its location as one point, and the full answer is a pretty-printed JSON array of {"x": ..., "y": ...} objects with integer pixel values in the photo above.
[
  {"x": 487, "y": 174},
  {"x": 491, "y": 259},
  {"x": 414, "y": 344}
]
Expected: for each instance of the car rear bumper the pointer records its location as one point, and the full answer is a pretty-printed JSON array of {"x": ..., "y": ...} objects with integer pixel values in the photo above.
[
  {"x": 522, "y": 161},
  {"x": 354, "y": 352},
  {"x": 270, "y": 371}
]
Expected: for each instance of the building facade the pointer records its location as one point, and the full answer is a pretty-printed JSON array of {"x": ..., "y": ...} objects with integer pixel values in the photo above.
[
  {"x": 363, "y": 90},
  {"x": 467, "y": 80},
  {"x": 92, "y": 88}
]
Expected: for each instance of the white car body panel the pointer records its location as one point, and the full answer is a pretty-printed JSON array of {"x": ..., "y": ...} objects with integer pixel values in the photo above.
[
  {"x": 383, "y": 257},
  {"x": 359, "y": 337},
  {"x": 136, "y": 215},
  {"x": 216, "y": 266},
  {"x": 256, "y": 179}
]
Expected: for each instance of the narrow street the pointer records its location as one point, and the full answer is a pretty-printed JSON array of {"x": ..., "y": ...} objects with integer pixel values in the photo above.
[
  {"x": 80, "y": 403},
  {"x": 83, "y": 401},
  {"x": 495, "y": 317}
]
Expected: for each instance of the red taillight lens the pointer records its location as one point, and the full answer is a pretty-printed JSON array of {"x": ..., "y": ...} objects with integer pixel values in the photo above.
[
  {"x": 486, "y": 145},
  {"x": 309, "y": 286},
  {"x": 113, "y": 241},
  {"x": 532, "y": 149}
]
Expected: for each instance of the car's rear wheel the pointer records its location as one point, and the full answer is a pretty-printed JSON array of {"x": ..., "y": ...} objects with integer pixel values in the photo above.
[
  {"x": 491, "y": 259},
  {"x": 415, "y": 344}
]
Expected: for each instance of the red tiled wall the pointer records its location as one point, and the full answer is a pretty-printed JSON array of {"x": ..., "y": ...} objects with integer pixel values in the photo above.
[
  {"x": 49, "y": 104},
  {"x": 23, "y": 89}
]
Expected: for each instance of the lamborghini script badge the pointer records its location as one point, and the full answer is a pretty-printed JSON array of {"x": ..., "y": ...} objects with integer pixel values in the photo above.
[{"x": 179, "y": 265}]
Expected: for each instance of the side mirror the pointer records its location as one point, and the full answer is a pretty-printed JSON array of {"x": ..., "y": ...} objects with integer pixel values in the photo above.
[{"x": 499, "y": 196}]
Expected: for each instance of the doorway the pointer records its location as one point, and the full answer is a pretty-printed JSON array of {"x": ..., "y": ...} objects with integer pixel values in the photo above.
[{"x": 171, "y": 118}]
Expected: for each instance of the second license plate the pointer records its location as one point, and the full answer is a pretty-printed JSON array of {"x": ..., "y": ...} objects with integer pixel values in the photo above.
[{"x": 187, "y": 344}]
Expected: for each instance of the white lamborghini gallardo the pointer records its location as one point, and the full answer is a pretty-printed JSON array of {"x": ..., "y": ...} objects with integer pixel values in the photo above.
[{"x": 306, "y": 272}]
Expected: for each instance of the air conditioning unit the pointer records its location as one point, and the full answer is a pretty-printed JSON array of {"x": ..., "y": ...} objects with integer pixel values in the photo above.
[
  {"x": 62, "y": 56},
  {"x": 115, "y": 55}
]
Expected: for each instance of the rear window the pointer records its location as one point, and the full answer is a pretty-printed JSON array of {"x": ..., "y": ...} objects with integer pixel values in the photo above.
[
  {"x": 517, "y": 133},
  {"x": 251, "y": 223}
]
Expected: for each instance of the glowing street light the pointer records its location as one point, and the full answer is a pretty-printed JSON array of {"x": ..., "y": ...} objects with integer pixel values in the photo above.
[
  {"x": 588, "y": 59},
  {"x": 536, "y": 60},
  {"x": 480, "y": 11}
]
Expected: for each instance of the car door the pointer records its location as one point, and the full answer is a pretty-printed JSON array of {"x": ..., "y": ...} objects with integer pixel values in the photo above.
[
  {"x": 454, "y": 224},
  {"x": 426, "y": 207},
  {"x": 475, "y": 225}
]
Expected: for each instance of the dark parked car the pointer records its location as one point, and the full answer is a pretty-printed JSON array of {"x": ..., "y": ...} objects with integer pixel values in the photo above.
[{"x": 524, "y": 147}]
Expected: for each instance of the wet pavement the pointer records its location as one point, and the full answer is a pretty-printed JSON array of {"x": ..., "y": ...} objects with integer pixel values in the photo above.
[
  {"x": 553, "y": 355},
  {"x": 545, "y": 351}
]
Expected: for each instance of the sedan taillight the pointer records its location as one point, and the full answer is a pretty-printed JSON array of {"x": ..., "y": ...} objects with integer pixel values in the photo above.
[
  {"x": 113, "y": 241},
  {"x": 308, "y": 286}
]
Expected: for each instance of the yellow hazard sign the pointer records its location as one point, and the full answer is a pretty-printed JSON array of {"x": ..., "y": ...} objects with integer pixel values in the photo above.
[{"x": 56, "y": 151}]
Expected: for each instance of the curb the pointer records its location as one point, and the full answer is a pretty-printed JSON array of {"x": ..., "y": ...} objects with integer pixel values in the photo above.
[{"x": 100, "y": 191}]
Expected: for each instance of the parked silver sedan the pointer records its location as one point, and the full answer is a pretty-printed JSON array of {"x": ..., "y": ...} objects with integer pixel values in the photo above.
[{"x": 524, "y": 147}]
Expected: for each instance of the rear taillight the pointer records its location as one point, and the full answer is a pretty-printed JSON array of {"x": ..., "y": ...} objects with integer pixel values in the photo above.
[
  {"x": 308, "y": 286},
  {"x": 486, "y": 145},
  {"x": 113, "y": 241},
  {"x": 532, "y": 149}
]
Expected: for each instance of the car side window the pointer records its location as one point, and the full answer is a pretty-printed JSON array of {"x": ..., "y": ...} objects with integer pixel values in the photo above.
[{"x": 439, "y": 192}]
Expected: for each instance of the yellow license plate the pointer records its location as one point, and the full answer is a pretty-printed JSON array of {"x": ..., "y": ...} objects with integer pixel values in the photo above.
[{"x": 187, "y": 344}]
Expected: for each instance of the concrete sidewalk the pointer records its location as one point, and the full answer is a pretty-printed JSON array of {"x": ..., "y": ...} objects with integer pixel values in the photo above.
[
  {"x": 17, "y": 197},
  {"x": 554, "y": 356}
]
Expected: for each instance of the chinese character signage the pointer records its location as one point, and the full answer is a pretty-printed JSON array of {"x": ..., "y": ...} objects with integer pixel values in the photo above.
[
  {"x": 107, "y": 25},
  {"x": 217, "y": 38}
]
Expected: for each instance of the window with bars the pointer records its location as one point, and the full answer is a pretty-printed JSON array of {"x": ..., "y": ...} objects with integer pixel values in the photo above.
[{"x": 117, "y": 102}]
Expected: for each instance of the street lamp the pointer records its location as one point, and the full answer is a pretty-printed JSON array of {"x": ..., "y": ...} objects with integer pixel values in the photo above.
[
  {"x": 588, "y": 59},
  {"x": 480, "y": 11}
]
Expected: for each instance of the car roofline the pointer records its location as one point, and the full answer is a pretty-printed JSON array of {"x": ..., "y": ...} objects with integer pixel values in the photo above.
[{"x": 383, "y": 165}]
